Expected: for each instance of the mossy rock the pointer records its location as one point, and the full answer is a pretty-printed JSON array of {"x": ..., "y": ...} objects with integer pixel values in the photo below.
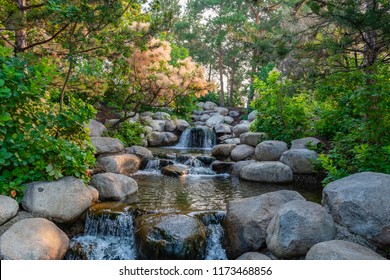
[{"x": 170, "y": 236}]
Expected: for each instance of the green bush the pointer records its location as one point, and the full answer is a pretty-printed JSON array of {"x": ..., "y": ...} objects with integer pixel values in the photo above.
[
  {"x": 282, "y": 114},
  {"x": 129, "y": 133},
  {"x": 355, "y": 114},
  {"x": 38, "y": 142}
]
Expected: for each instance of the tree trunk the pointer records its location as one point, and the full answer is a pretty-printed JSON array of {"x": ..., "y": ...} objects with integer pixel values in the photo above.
[
  {"x": 232, "y": 81},
  {"x": 370, "y": 39},
  {"x": 21, "y": 32},
  {"x": 220, "y": 67}
]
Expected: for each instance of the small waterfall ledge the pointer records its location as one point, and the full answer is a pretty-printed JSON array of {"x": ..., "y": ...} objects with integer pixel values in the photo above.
[{"x": 199, "y": 137}]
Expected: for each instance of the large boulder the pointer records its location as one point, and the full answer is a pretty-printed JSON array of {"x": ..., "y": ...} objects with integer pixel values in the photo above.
[
  {"x": 96, "y": 129},
  {"x": 341, "y": 250},
  {"x": 250, "y": 256},
  {"x": 242, "y": 152},
  {"x": 126, "y": 164},
  {"x": 62, "y": 201},
  {"x": 161, "y": 116},
  {"x": 361, "y": 203},
  {"x": 174, "y": 170},
  {"x": 204, "y": 117},
  {"x": 33, "y": 239},
  {"x": 8, "y": 208},
  {"x": 270, "y": 150},
  {"x": 228, "y": 120},
  {"x": 252, "y": 138},
  {"x": 296, "y": 227},
  {"x": 182, "y": 125},
  {"x": 247, "y": 220},
  {"x": 240, "y": 129},
  {"x": 141, "y": 152},
  {"x": 170, "y": 236},
  {"x": 252, "y": 115},
  {"x": 301, "y": 161},
  {"x": 170, "y": 125},
  {"x": 305, "y": 143},
  {"x": 158, "y": 139},
  {"x": 238, "y": 166},
  {"x": 157, "y": 125},
  {"x": 215, "y": 120},
  {"x": 113, "y": 186},
  {"x": 209, "y": 105},
  {"x": 222, "y": 151},
  {"x": 222, "y": 129},
  {"x": 107, "y": 145},
  {"x": 267, "y": 172},
  {"x": 221, "y": 110}
]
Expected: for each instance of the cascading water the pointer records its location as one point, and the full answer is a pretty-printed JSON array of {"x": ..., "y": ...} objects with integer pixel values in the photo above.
[
  {"x": 107, "y": 237},
  {"x": 200, "y": 137},
  {"x": 215, "y": 232}
]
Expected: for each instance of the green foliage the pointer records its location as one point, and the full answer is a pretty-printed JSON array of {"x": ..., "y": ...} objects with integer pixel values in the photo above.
[
  {"x": 128, "y": 132},
  {"x": 37, "y": 142},
  {"x": 184, "y": 105},
  {"x": 283, "y": 115},
  {"x": 211, "y": 96},
  {"x": 355, "y": 114}
]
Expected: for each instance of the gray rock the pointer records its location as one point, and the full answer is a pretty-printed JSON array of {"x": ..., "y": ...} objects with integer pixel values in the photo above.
[
  {"x": 113, "y": 186},
  {"x": 270, "y": 150},
  {"x": 221, "y": 167},
  {"x": 234, "y": 114},
  {"x": 232, "y": 141},
  {"x": 199, "y": 123},
  {"x": 170, "y": 236},
  {"x": 304, "y": 143},
  {"x": 96, "y": 129},
  {"x": 146, "y": 120},
  {"x": 247, "y": 220},
  {"x": 214, "y": 114},
  {"x": 21, "y": 215},
  {"x": 252, "y": 138},
  {"x": 240, "y": 129},
  {"x": 196, "y": 117},
  {"x": 161, "y": 116},
  {"x": 33, "y": 239},
  {"x": 221, "y": 110},
  {"x": 209, "y": 105},
  {"x": 301, "y": 161},
  {"x": 146, "y": 114},
  {"x": 228, "y": 120},
  {"x": 252, "y": 115},
  {"x": 200, "y": 104},
  {"x": 197, "y": 112},
  {"x": 126, "y": 164},
  {"x": 239, "y": 165},
  {"x": 253, "y": 256},
  {"x": 157, "y": 125},
  {"x": 182, "y": 125},
  {"x": 222, "y": 129},
  {"x": 341, "y": 250},
  {"x": 215, "y": 120},
  {"x": 107, "y": 145},
  {"x": 204, "y": 117},
  {"x": 8, "y": 208},
  {"x": 157, "y": 139},
  {"x": 361, "y": 203},
  {"x": 141, "y": 152},
  {"x": 62, "y": 201},
  {"x": 267, "y": 172},
  {"x": 296, "y": 227},
  {"x": 170, "y": 125},
  {"x": 242, "y": 152},
  {"x": 222, "y": 151}
]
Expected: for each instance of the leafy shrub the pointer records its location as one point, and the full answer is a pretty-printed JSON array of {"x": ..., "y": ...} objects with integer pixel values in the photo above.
[
  {"x": 129, "y": 133},
  {"x": 183, "y": 106},
  {"x": 211, "y": 96},
  {"x": 38, "y": 142},
  {"x": 282, "y": 114},
  {"x": 355, "y": 113}
]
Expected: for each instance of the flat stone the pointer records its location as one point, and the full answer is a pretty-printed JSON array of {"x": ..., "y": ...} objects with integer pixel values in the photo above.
[
  {"x": 113, "y": 187},
  {"x": 267, "y": 172},
  {"x": 252, "y": 138},
  {"x": 175, "y": 170},
  {"x": 215, "y": 120},
  {"x": 141, "y": 152},
  {"x": 126, "y": 164},
  {"x": 107, "y": 145}
]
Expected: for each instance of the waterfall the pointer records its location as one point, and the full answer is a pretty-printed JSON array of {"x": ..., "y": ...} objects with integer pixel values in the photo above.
[
  {"x": 215, "y": 232},
  {"x": 108, "y": 236},
  {"x": 201, "y": 137}
]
